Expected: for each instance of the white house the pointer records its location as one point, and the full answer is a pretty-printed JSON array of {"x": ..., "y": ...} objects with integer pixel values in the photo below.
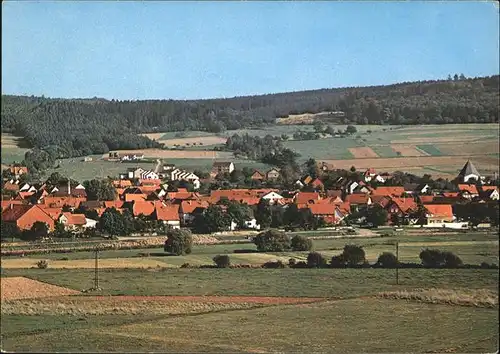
[
  {"x": 90, "y": 223},
  {"x": 249, "y": 224},
  {"x": 272, "y": 197},
  {"x": 182, "y": 175},
  {"x": 149, "y": 175},
  {"x": 135, "y": 173}
]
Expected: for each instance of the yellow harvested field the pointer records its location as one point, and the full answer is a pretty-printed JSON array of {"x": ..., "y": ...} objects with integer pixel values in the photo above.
[
  {"x": 362, "y": 152},
  {"x": 205, "y": 140},
  {"x": 453, "y": 162},
  {"x": 460, "y": 297},
  {"x": 86, "y": 263},
  {"x": 13, "y": 288},
  {"x": 111, "y": 305},
  {"x": 296, "y": 119},
  {"x": 177, "y": 154},
  {"x": 408, "y": 150}
]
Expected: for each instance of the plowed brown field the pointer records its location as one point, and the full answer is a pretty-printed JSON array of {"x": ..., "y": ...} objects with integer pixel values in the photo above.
[
  {"x": 13, "y": 288},
  {"x": 362, "y": 152}
]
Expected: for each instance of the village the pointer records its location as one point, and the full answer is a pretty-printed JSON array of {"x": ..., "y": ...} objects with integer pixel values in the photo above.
[{"x": 172, "y": 198}]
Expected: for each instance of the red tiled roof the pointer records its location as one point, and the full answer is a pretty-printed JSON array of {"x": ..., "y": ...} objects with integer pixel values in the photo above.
[
  {"x": 17, "y": 170},
  {"x": 129, "y": 197},
  {"x": 322, "y": 209},
  {"x": 471, "y": 188},
  {"x": 381, "y": 200},
  {"x": 54, "y": 213},
  {"x": 489, "y": 188},
  {"x": 305, "y": 197},
  {"x": 167, "y": 212},
  {"x": 389, "y": 191},
  {"x": 451, "y": 194},
  {"x": 113, "y": 204},
  {"x": 444, "y": 210},
  {"x": 426, "y": 198},
  {"x": 143, "y": 207},
  {"x": 405, "y": 204},
  {"x": 316, "y": 183},
  {"x": 25, "y": 195},
  {"x": 11, "y": 186},
  {"x": 345, "y": 208},
  {"x": 188, "y": 206},
  {"x": 7, "y": 203},
  {"x": 55, "y": 202},
  {"x": 154, "y": 182},
  {"x": 357, "y": 198},
  {"x": 15, "y": 212},
  {"x": 75, "y": 219}
]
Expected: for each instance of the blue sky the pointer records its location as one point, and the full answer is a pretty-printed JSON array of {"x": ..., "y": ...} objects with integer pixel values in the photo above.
[{"x": 188, "y": 50}]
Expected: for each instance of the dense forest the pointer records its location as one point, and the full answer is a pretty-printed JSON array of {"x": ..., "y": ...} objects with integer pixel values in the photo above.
[{"x": 75, "y": 127}]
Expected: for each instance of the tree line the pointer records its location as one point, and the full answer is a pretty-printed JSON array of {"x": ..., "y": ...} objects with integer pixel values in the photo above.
[{"x": 77, "y": 127}]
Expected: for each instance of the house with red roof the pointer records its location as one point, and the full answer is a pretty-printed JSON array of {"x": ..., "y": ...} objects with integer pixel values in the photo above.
[
  {"x": 257, "y": 176},
  {"x": 393, "y": 191},
  {"x": 317, "y": 184},
  {"x": 438, "y": 214},
  {"x": 306, "y": 197},
  {"x": 358, "y": 200},
  {"x": 73, "y": 221},
  {"x": 189, "y": 208},
  {"x": 24, "y": 216},
  {"x": 468, "y": 191},
  {"x": 168, "y": 214},
  {"x": 328, "y": 212},
  {"x": 489, "y": 192},
  {"x": 143, "y": 207}
]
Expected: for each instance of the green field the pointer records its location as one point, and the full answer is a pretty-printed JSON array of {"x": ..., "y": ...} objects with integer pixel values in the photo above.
[
  {"x": 353, "y": 320},
  {"x": 472, "y": 248},
  {"x": 430, "y": 149},
  {"x": 77, "y": 169}
]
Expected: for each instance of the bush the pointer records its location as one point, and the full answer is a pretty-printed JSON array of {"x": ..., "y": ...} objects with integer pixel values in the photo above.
[
  {"x": 64, "y": 259},
  {"x": 42, "y": 264},
  {"x": 387, "y": 260},
  {"x": 353, "y": 254},
  {"x": 451, "y": 260},
  {"x": 300, "y": 264},
  {"x": 301, "y": 243},
  {"x": 179, "y": 242},
  {"x": 222, "y": 261},
  {"x": 272, "y": 240},
  {"x": 185, "y": 265},
  {"x": 436, "y": 259},
  {"x": 315, "y": 260},
  {"x": 338, "y": 261},
  {"x": 272, "y": 264},
  {"x": 292, "y": 262}
]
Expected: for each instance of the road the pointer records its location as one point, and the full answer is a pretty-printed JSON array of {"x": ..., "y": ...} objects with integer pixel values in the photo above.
[{"x": 158, "y": 164}]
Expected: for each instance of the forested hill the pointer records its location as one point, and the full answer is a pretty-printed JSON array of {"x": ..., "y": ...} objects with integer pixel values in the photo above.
[{"x": 82, "y": 126}]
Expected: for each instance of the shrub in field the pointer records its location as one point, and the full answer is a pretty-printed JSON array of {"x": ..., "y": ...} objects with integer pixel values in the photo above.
[
  {"x": 315, "y": 260},
  {"x": 436, "y": 259},
  {"x": 179, "y": 242},
  {"x": 301, "y": 243},
  {"x": 337, "y": 261},
  {"x": 273, "y": 264},
  {"x": 42, "y": 264},
  {"x": 451, "y": 260},
  {"x": 387, "y": 260},
  {"x": 185, "y": 265},
  {"x": 222, "y": 261},
  {"x": 272, "y": 240},
  {"x": 353, "y": 254},
  {"x": 292, "y": 262}
]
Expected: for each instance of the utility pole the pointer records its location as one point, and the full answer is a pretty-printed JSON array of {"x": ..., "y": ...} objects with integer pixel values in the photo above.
[
  {"x": 96, "y": 273},
  {"x": 397, "y": 263}
]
